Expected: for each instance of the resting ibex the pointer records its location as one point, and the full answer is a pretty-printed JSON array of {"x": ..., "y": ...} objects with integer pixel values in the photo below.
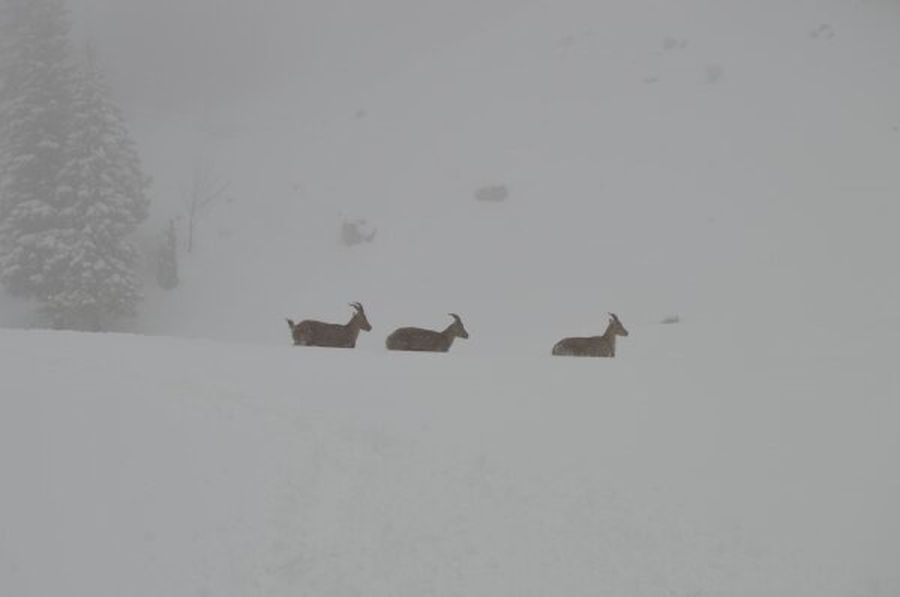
[
  {"x": 427, "y": 340},
  {"x": 593, "y": 346},
  {"x": 317, "y": 333}
]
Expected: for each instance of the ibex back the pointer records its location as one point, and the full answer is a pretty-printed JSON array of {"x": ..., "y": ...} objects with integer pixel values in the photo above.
[
  {"x": 593, "y": 346},
  {"x": 423, "y": 340},
  {"x": 316, "y": 333}
]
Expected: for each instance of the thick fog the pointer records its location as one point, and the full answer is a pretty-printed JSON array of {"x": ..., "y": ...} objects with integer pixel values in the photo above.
[
  {"x": 200, "y": 54},
  {"x": 733, "y": 159},
  {"x": 721, "y": 175}
]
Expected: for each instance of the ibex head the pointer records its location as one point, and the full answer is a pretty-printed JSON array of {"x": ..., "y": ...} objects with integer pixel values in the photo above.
[
  {"x": 617, "y": 328},
  {"x": 457, "y": 326},
  {"x": 359, "y": 318}
]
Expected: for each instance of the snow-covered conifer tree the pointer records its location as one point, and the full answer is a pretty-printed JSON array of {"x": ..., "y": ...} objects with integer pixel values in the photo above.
[
  {"x": 35, "y": 98},
  {"x": 103, "y": 192},
  {"x": 70, "y": 193}
]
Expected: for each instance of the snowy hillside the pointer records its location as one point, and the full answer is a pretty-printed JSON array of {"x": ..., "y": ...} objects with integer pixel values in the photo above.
[
  {"x": 733, "y": 163},
  {"x": 145, "y": 466},
  {"x": 729, "y": 162}
]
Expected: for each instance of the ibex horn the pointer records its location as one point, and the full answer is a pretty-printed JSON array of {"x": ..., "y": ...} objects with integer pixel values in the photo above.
[
  {"x": 356, "y": 306},
  {"x": 453, "y": 315}
]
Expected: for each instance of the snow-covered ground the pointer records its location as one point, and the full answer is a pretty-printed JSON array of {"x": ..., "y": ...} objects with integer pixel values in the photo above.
[{"x": 156, "y": 466}]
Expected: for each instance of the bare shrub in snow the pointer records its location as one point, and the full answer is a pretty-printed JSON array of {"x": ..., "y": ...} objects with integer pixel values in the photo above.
[
  {"x": 823, "y": 31},
  {"x": 671, "y": 43},
  {"x": 714, "y": 73},
  {"x": 356, "y": 231}
]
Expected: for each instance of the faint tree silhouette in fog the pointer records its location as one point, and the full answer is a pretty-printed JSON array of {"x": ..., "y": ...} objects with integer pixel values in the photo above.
[
  {"x": 206, "y": 189},
  {"x": 167, "y": 259}
]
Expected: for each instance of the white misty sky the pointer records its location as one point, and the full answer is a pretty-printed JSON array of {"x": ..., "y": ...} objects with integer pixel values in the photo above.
[{"x": 181, "y": 54}]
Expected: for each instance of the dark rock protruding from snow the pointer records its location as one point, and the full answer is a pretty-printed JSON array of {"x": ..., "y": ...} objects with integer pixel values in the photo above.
[{"x": 492, "y": 193}]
